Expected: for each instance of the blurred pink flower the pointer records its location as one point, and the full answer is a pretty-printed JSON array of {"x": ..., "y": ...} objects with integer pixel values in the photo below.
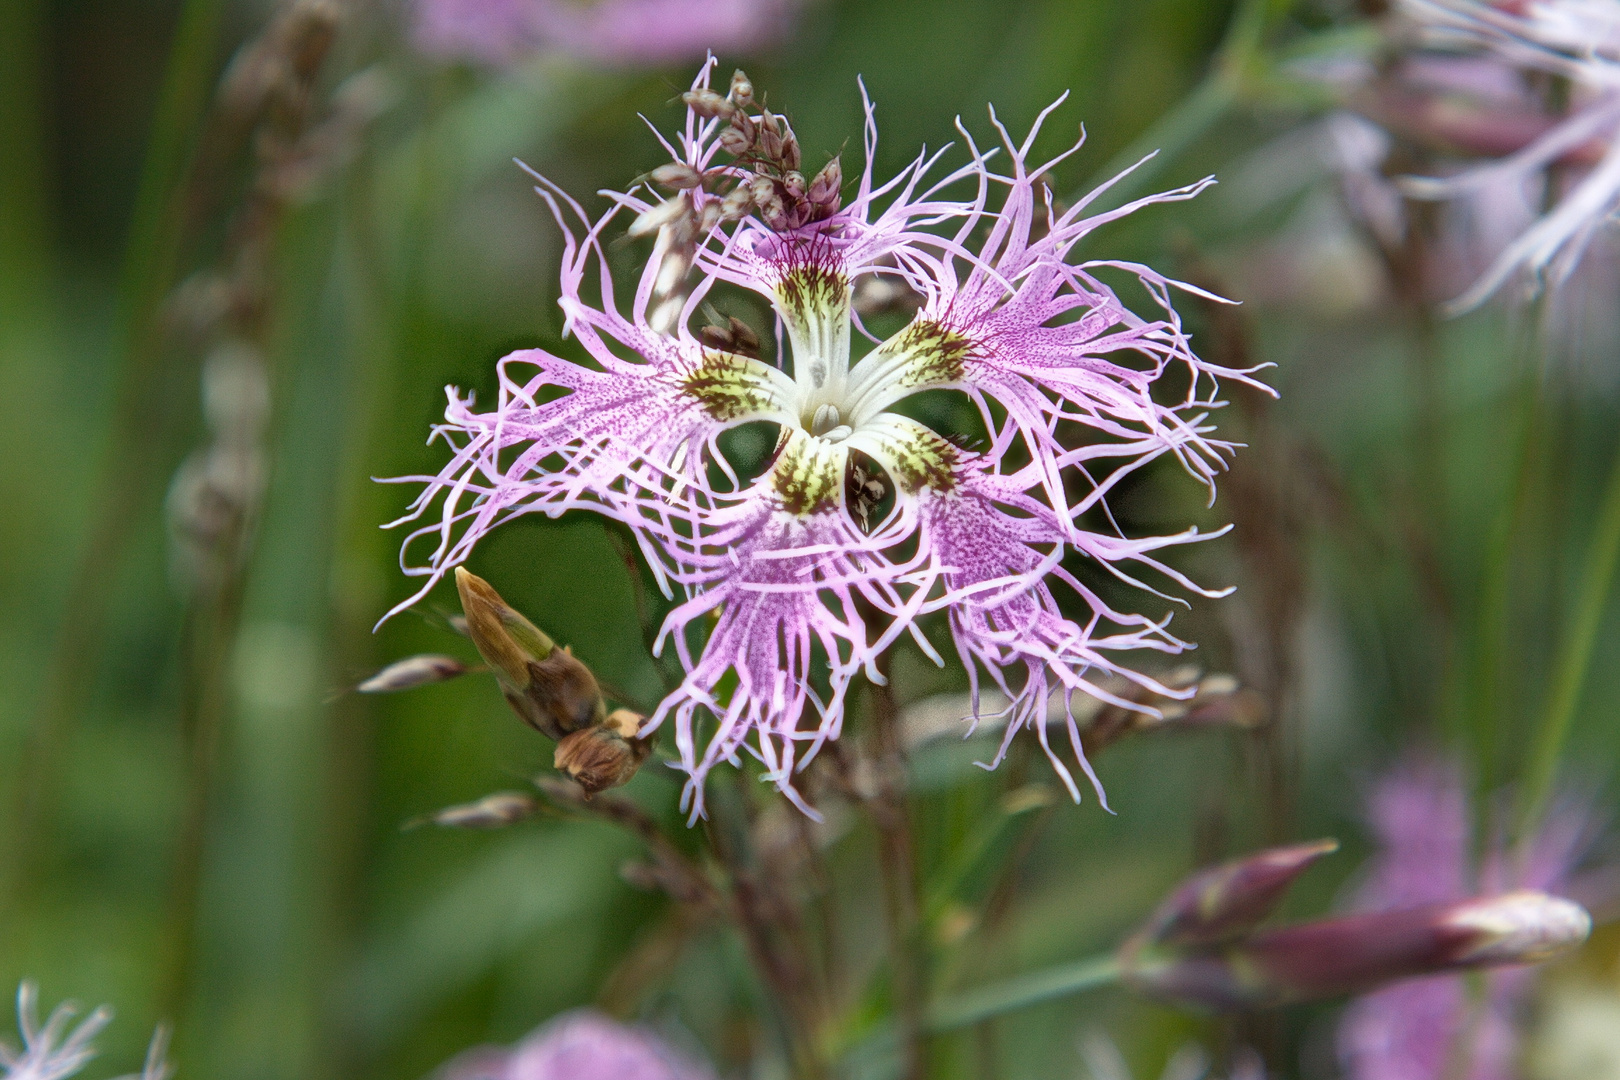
[
  {"x": 58, "y": 1049},
  {"x": 614, "y": 32},
  {"x": 1574, "y": 156},
  {"x": 580, "y": 1045},
  {"x": 1431, "y": 1028}
]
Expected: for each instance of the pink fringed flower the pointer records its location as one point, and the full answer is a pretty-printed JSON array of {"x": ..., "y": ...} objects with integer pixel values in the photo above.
[
  {"x": 634, "y": 32},
  {"x": 1576, "y": 40},
  {"x": 579, "y": 1046},
  {"x": 863, "y": 520},
  {"x": 1430, "y": 1028}
]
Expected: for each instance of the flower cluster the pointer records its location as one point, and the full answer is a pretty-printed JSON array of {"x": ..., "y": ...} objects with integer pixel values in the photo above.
[
  {"x": 863, "y": 519},
  {"x": 579, "y": 1046},
  {"x": 1569, "y": 150}
]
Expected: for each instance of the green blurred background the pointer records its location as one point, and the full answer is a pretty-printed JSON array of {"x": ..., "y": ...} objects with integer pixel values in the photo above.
[{"x": 1388, "y": 590}]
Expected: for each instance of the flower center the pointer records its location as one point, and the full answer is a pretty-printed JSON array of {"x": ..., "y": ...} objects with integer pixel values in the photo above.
[{"x": 828, "y": 424}]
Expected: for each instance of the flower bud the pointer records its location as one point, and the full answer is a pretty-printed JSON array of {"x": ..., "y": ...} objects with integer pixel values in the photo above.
[
  {"x": 605, "y": 755},
  {"x": 676, "y": 174},
  {"x": 790, "y": 153},
  {"x": 491, "y": 812},
  {"x": 825, "y": 188},
  {"x": 656, "y": 217},
  {"x": 769, "y": 202},
  {"x": 708, "y": 104},
  {"x": 736, "y": 142},
  {"x": 742, "y": 89},
  {"x": 546, "y": 686},
  {"x": 770, "y": 141},
  {"x": 737, "y": 203},
  {"x": 793, "y": 184},
  {"x": 1332, "y": 957},
  {"x": 1227, "y": 901},
  {"x": 413, "y": 671}
]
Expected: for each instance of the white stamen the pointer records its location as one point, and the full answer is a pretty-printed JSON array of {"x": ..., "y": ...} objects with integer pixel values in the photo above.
[{"x": 825, "y": 419}]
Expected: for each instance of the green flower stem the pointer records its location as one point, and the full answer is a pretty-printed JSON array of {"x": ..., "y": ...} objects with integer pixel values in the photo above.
[
  {"x": 1022, "y": 991},
  {"x": 1209, "y": 101},
  {"x": 1574, "y": 656}
]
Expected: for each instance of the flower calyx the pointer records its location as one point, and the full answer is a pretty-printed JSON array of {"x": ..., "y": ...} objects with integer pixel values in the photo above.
[
  {"x": 548, "y": 688},
  {"x": 605, "y": 755},
  {"x": 553, "y": 692}
]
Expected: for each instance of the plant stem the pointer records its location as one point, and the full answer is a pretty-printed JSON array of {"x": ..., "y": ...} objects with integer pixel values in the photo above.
[
  {"x": 1574, "y": 656},
  {"x": 1488, "y": 708},
  {"x": 1022, "y": 991},
  {"x": 897, "y": 860}
]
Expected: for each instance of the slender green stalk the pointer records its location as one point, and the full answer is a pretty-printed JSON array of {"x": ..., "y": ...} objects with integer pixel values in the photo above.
[
  {"x": 128, "y": 470},
  {"x": 1196, "y": 113},
  {"x": 1486, "y": 711},
  {"x": 897, "y": 863},
  {"x": 1023, "y": 991},
  {"x": 1574, "y": 656}
]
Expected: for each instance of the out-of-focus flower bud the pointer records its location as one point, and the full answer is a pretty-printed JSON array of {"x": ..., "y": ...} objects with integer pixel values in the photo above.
[
  {"x": 605, "y": 755},
  {"x": 1227, "y": 901},
  {"x": 1328, "y": 958},
  {"x": 413, "y": 671},
  {"x": 742, "y": 89},
  {"x": 491, "y": 812},
  {"x": 656, "y": 217},
  {"x": 676, "y": 174},
  {"x": 737, "y": 336},
  {"x": 708, "y": 104},
  {"x": 791, "y": 156},
  {"x": 552, "y": 691}
]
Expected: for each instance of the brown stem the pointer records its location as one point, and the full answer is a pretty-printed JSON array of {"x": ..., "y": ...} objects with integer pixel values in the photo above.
[
  {"x": 897, "y": 860},
  {"x": 767, "y": 920}
]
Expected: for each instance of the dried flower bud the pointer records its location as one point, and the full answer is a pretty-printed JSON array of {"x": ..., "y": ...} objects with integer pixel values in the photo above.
[
  {"x": 736, "y": 142},
  {"x": 769, "y": 202},
  {"x": 605, "y": 755},
  {"x": 709, "y": 218},
  {"x": 413, "y": 671},
  {"x": 676, "y": 174},
  {"x": 737, "y": 203},
  {"x": 546, "y": 686},
  {"x": 1332, "y": 957},
  {"x": 770, "y": 141},
  {"x": 491, "y": 812},
  {"x": 656, "y": 217},
  {"x": 708, "y": 104},
  {"x": 742, "y": 90},
  {"x": 790, "y": 153},
  {"x": 793, "y": 184},
  {"x": 825, "y": 188}
]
